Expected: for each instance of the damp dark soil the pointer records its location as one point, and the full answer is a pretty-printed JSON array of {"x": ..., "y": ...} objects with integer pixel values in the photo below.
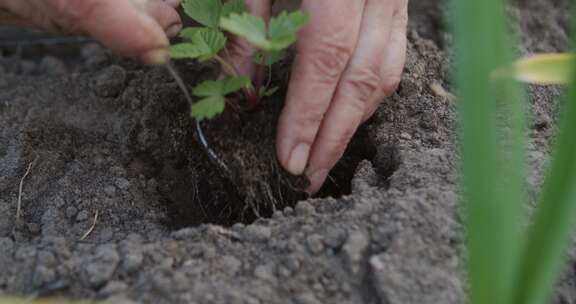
[{"x": 122, "y": 202}]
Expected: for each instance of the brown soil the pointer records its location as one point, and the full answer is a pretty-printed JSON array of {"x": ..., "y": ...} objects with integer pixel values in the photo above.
[{"x": 107, "y": 136}]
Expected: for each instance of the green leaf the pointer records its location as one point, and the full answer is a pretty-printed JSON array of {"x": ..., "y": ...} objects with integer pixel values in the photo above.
[
  {"x": 213, "y": 39},
  {"x": 234, "y": 84},
  {"x": 208, "y": 107},
  {"x": 248, "y": 27},
  {"x": 545, "y": 69},
  {"x": 189, "y": 32},
  {"x": 187, "y": 50},
  {"x": 271, "y": 57},
  {"x": 284, "y": 27},
  {"x": 233, "y": 6},
  {"x": 223, "y": 87},
  {"x": 205, "y": 12},
  {"x": 204, "y": 44},
  {"x": 282, "y": 33}
]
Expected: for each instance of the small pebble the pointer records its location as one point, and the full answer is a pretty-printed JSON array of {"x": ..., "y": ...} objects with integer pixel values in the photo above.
[
  {"x": 304, "y": 208},
  {"x": 110, "y": 191},
  {"x": 315, "y": 244},
  {"x": 122, "y": 183},
  {"x": 258, "y": 233},
  {"x": 52, "y": 66},
  {"x": 110, "y": 82},
  {"x": 71, "y": 211},
  {"x": 82, "y": 216}
]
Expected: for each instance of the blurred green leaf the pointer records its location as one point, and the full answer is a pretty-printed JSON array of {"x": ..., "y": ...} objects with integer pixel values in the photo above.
[
  {"x": 492, "y": 149},
  {"x": 282, "y": 32},
  {"x": 233, "y": 6},
  {"x": 248, "y": 27},
  {"x": 221, "y": 87},
  {"x": 550, "y": 233},
  {"x": 205, "y": 12},
  {"x": 283, "y": 28},
  {"x": 189, "y": 32},
  {"x": 545, "y": 69},
  {"x": 204, "y": 44},
  {"x": 208, "y": 107},
  {"x": 187, "y": 50}
]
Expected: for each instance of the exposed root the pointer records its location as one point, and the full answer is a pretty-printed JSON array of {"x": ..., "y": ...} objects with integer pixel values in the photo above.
[
  {"x": 199, "y": 130},
  {"x": 91, "y": 227},
  {"x": 20, "y": 190}
]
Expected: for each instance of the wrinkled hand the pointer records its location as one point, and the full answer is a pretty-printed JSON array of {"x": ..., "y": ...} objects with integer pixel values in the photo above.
[
  {"x": 349, "y": 58},
  {"x": 135, "y": 28}
]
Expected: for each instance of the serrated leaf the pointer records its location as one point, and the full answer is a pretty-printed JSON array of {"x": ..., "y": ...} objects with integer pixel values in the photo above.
[
  {"x": 208, "y": 107},
  {"x": 545, "y": 69},
  {"x": 187, "y": 50},
  {"x": 283, "y": 28},
  {"x": 247, "y": 26},
  {"x": 189, "y": 32},
  {"x": 271, "y": 57},
  {"x": 222, "y": 87},
  {"x": 204, "y": 44},
  {"x": 213, "y": 39},
  {"x": 233, "y": 6},
  {"x": 205, "y": 12},
  {"x": 282, "y": 32},
  {"x": 234, "y": 84}
]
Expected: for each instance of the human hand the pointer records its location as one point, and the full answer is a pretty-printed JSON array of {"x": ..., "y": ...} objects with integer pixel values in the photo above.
[
  {"x": 349, "y": 58},
  {"x": 134, "y": 28}
]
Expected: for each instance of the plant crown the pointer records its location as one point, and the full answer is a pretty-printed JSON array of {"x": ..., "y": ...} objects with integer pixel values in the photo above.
[{"x": 206, "y": 42}]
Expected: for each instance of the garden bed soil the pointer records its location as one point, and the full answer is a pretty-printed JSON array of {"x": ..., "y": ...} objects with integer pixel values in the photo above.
[{"x": 122, "y": 202}]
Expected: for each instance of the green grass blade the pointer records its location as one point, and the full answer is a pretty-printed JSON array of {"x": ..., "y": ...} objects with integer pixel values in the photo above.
[
  {"x": 492, "y": 179},
  {"x": 549, "y": 235}
]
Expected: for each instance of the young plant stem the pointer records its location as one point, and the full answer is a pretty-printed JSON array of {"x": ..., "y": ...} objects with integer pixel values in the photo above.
[
  {"x": 172, "y": 70},
  {"x": 259, "y": 76},
  {"x": 251, "y": 95},
  {"x": 228, "y": 67}
]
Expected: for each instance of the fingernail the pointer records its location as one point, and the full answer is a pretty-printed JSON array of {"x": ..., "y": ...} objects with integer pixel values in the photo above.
[
  {"x": 298, "y": 159},
  {"x": 157, "y": 56},
  {"x": 317, "y": 179},
  {"x": 173, "y": 30}
]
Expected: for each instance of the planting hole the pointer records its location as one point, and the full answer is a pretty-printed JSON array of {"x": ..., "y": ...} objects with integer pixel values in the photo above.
[{"x": 218, "y": 201}]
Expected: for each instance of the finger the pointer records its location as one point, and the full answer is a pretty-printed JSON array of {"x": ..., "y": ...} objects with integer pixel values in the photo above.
[
  {"x": 173, "y": 3},
  {"x": 394, "y": 61},
  {"x": 361, "y": 80},
  {"x": 124, "y": 26},
  {"x": 165, "y": 14},
  {"x": 239, "y": 51},
  {"x": 324, "y": 49}
]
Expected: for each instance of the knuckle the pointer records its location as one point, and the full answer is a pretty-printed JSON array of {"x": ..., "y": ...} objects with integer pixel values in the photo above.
[
  {"x": 339, "y": 142},
  {"x": 76, "y": 9},
  {"x": 363, "y": 83},
  {"x": 330, "y": 59},
  {"x": 311, "y": 118}
]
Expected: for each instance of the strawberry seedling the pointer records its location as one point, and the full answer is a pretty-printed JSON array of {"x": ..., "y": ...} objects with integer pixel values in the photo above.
[{"x": 208, "y": 42}]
